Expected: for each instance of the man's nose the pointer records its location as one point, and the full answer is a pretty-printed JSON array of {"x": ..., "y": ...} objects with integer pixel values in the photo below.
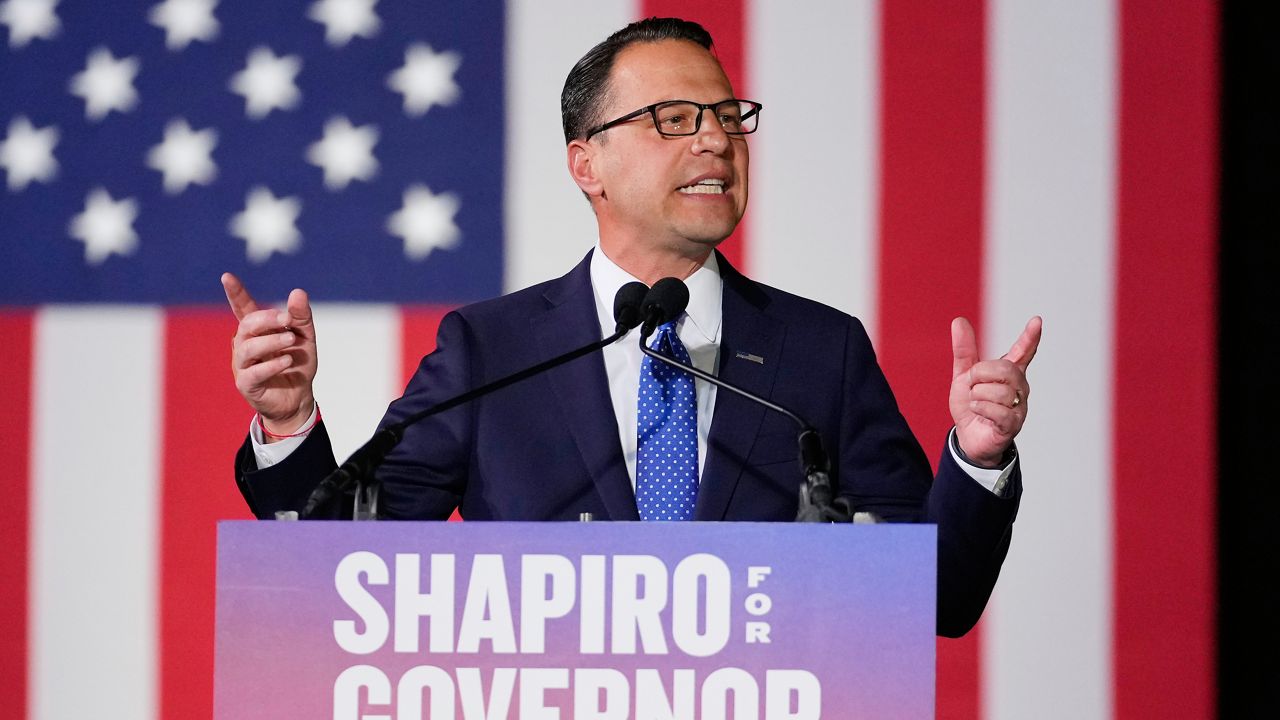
[{"x": 711, "y": 136}]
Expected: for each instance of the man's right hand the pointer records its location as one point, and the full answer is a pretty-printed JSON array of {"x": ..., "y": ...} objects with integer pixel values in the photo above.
[{"x": 273, "y": 357}]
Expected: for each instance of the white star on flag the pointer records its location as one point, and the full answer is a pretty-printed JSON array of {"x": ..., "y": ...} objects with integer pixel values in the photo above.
[
  {"x": 27, "y": 153},
  {"x": 184, "y": 21},
  {"x": 344, "y": 19},
  {"x": 105, "y": 227},
  {"x": 267, "y": 224},
  {"x": 425, "y": 79},
  {"x": 267, "y": 83},
  {"x": 345, "y": 153},
  {"x": 425, "y": 221},
  {"x": 28, "y": 19},
  {"x": 184, "y": 156},
  {"x": 106, "y": 84}
]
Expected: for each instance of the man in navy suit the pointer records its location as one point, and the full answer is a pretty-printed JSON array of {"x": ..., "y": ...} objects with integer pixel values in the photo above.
[{"x": 656, "y": 141}]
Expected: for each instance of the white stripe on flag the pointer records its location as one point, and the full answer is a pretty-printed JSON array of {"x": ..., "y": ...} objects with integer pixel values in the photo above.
[
  {"x": 96, "y": 445},
  {"x": 549, "y": 226},
  {"x": 814, "y": 176},
  {"x": 1050, "y": 251},
  {"x": 359, "y": 347}
]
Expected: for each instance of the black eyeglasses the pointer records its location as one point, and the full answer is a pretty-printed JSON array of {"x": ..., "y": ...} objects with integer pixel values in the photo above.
[{"x": 679, "y": 118}]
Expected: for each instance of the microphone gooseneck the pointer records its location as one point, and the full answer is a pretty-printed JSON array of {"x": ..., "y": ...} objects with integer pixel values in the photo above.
[
  {"x": 665, "y": 302},
  {"x": 362, "y": 463}
]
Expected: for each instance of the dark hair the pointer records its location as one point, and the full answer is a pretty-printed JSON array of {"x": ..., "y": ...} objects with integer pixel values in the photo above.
[{"x": 587, "y": 86}]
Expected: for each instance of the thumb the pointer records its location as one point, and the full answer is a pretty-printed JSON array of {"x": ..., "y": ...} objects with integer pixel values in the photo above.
[
  {"x": 298, "y": 310},
  {"x": 964, "y": 346}
]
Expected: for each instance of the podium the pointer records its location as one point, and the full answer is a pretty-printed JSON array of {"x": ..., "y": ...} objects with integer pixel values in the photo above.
[{"x": 592, "y": 620}]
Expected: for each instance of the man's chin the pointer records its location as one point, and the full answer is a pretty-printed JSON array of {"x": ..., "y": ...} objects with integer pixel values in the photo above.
[{"x": 709, "y": 234}]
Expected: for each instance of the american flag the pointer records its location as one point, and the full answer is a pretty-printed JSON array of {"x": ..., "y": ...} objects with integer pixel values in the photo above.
[{"x": 916, "y": 161}]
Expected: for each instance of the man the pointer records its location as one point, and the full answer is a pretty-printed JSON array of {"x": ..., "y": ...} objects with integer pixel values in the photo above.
[{"x": 657, "y": 143}]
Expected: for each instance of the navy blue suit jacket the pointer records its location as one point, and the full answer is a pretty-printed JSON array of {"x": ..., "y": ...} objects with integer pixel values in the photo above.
[{"x": 548, "y": 449}]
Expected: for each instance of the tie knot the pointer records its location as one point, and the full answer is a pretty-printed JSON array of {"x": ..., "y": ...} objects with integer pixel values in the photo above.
[{"x": 664, "y": 336}]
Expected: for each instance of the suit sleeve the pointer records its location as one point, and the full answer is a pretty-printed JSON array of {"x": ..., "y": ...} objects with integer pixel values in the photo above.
[
  {"x": 975, "y": 527},
  {"x": 425, "y": 476},
  {"x": 288, "y": 484},
  {"x": 884, "y": 471}
]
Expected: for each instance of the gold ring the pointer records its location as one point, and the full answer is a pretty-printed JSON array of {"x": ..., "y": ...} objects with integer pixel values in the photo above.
[{"x": 1017, "y": 398}]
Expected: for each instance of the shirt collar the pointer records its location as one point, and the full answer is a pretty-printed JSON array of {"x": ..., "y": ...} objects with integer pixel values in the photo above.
[{"x": 705, "y": 294}]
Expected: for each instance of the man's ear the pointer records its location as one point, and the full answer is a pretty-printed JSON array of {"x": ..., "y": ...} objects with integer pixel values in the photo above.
[{"x": 581, "y": 157}]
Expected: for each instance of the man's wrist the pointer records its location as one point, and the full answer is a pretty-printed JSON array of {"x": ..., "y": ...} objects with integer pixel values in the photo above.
[
  {"x": 292, "y": 426},
  {"x": 1003, "y": 461}
]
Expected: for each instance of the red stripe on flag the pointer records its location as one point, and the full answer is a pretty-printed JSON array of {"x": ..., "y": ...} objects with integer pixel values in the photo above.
[
  {"x": 726, "y": 21},
  {"x": 932, "y": 141},
  {"x": 204, "y": 422},
  {"x": 15, "y": 423},
  {"x": 1165, "y": 336},
  {"x": 418, "y": 326}
]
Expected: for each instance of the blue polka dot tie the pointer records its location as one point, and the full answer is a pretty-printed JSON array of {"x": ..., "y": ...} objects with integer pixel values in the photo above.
[{"x": 667, "y": 447}]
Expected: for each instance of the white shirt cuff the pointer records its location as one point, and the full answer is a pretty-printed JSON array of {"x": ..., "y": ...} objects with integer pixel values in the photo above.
[{"x": 995, "y": 480}]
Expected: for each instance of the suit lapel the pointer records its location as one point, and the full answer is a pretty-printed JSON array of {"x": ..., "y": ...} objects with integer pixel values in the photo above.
[
  {"x": 582, "y": 388},
  {"x": 736, "y": 420}
]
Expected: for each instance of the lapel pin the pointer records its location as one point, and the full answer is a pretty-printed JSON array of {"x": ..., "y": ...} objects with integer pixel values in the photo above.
[{"x": 753, "y": 358}]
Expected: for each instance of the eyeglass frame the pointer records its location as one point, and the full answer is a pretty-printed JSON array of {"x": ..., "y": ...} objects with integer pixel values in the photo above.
[{"x": 697, "y": 123}]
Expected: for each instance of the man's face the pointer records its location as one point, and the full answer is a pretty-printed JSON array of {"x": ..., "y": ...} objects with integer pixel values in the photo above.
[{"x": 668, "y": 193}]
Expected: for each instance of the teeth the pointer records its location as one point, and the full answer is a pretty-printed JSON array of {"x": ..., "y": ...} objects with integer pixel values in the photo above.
[{"x": 704, "y": 187}]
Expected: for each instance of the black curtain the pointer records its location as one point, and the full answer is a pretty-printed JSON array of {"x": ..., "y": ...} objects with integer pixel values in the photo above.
[{"x": 1249, "y": 364}]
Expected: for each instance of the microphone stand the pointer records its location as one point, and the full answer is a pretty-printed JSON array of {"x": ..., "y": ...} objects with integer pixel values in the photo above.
[
  {"x": 358, "y": 470},
  {"x": 816, "y": 498}
]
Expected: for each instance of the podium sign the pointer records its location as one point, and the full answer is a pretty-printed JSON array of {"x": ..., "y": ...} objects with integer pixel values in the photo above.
[{"x": 388, "y": 620}]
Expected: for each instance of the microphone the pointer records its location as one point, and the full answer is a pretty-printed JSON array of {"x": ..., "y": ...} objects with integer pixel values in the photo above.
[
  {"x": 627, "y": 303},
  {"x": 665, "y": 302},
  {"x": 362, "y": 463}
]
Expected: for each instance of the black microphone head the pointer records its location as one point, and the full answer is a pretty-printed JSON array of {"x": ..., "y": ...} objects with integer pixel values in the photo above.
[
  {"x": 664, "y": 302},
  {"x": 626, "y": 305}
]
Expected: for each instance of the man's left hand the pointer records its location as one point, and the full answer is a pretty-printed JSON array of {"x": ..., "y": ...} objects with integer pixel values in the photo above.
[{"x": 989, "y": 397}]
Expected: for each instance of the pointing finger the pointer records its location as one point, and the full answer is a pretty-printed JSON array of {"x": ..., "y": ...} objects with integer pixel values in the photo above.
[
  {"x": 964, "y": 346},
  {"x": 237, "y": 296},
  {"x": 1024, "y": 348}
]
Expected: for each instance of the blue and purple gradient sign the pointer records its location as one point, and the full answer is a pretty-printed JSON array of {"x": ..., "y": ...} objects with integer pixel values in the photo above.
[{"x": 593, "y": 621}]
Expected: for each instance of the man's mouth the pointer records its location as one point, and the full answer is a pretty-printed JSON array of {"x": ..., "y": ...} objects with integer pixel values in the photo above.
[{"x": 710, "y": 186}]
